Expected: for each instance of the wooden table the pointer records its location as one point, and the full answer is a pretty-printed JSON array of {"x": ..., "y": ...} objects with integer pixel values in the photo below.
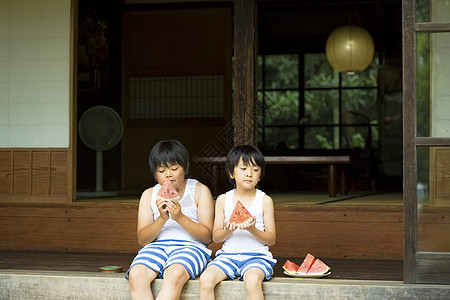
[{"x": 336, "y": 165}]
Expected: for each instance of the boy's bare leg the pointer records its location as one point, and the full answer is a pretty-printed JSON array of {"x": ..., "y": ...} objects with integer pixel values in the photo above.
[
  {"x": 175, "y": 276},
  {"x": 253, "y": 279},
  {"x": 140, "y": 279},
  {"x": 208, "y": 281}
]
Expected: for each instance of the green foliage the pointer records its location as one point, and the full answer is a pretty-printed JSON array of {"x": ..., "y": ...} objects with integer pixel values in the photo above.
[
  {"x": 358, "y": 141},
  {"x": 323, "y": 141},
  {"x": 280, "y": 100},
  {"x": 423, "y": 89},
  {"x": 282, "y": 107},
  {"x": 423, "y": 10},
  {"x": 423, "y": 84},
  {"x": 281, "y": 71}
]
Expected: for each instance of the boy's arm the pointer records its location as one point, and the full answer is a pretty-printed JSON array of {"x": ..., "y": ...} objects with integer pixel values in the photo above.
[
  {"x": 220, "y": 233},
  {"x": 268, "y": 236},
  {"x": 205, "y": 211},
  {"x": 147, "y": 229}
]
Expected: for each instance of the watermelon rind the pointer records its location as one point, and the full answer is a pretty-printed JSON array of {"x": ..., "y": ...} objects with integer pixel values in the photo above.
[
  {"x": 290, "y": 267},
  {"x": 245, "y": 222}
]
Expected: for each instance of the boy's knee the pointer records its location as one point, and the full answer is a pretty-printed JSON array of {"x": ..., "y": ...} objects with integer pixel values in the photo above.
[
  {"x": 140, "y": 275},
  {"x": 206, "y": 280},
  {"x": 176, "y": 274},
  {"x": 253, "y": 279}
]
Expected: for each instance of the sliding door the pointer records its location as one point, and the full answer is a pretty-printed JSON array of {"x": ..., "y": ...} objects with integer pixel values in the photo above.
[{"x": 426, "y": 117}]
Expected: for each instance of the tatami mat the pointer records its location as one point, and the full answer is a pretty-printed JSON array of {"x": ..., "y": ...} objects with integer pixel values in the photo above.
[{"x": 354, "y": 198}]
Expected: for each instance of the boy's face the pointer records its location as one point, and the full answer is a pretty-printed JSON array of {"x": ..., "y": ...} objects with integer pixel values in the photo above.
[
  {"x": 246, "y": 176},
  {"x": 175, "y": 173}
]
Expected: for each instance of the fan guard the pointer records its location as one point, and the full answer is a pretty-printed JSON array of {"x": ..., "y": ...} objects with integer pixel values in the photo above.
[{"x": 100, "y": 128}]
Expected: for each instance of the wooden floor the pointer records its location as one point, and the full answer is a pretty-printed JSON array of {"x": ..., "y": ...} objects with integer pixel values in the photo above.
[
  {"x": 358, "y": 269},
  {"x": 89, "y": 262}
]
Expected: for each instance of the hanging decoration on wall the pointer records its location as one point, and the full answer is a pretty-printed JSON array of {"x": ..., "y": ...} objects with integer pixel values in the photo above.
[
  {"x": 97, "y": 48},
  {"x": 349, "y": 49}
]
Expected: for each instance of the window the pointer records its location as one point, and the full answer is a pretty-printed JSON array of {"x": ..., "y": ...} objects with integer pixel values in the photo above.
[{"x": 304, "y": 104}]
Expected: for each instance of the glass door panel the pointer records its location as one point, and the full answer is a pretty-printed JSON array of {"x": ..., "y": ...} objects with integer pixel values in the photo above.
[
  {"x": 433, "y": 93},
  {"x": 432, "y": 11},
  {"x": 433, "y": 199}
]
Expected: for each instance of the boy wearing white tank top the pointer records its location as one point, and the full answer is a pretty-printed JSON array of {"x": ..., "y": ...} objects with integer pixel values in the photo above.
[
  {"x": 174, "y": 234},
  {"x": 245, "y": 252}
]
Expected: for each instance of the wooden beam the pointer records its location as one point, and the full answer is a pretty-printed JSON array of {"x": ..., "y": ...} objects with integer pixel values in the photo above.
[
  {"x": 73, "y": 100},
  {"x": 409, "y": 150},
  {"x": 96, "y": 226},
  {"x": 245, "y": 62}
]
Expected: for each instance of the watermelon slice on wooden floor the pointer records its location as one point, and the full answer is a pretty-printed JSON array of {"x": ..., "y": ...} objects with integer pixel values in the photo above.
[
  {"x": 290, "y": 267},
  {"x": 318, "y": 268},
  {"x": 240, "y": 214},
  {"x": 306, "y": 264},
  {"x": 168, "y": 192}
]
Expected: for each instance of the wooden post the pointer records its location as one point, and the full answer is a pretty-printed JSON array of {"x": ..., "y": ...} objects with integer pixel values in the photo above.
[
  {"x": 245, "y": 63},
  {"x": 410, "y": 213}
]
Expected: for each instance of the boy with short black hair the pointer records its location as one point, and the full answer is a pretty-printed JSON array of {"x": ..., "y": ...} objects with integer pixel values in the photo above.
[{"x": 245, "y": 251}]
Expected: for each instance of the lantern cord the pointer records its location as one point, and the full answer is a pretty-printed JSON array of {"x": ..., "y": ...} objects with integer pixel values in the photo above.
[{"x": 357, "y": 15}]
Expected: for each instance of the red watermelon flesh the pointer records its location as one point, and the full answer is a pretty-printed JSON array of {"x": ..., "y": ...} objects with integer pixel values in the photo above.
[
  {"x": 168, "y": 192},
  {"x": 306, "y": 264},
  {"x": 290, "y": 267},
  {"x": 318, "y": 268},
  {"x": 240, "y": 214}
]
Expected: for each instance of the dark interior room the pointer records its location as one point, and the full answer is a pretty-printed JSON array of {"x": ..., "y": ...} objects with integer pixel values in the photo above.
[{"x": 305, "y": 107}]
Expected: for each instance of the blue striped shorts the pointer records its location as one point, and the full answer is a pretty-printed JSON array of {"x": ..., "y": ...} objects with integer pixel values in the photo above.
[
  {"x": 159, "y": 255},
  {"x": 236, "y": 264}
]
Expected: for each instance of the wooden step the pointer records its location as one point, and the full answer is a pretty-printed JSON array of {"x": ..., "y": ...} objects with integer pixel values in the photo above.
[{"x": 19, "y": 284}]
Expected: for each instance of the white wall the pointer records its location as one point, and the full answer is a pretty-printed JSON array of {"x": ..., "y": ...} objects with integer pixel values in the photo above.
[
  {"x": 34, "y": 73},
  {"x": 440, "y": 72}
]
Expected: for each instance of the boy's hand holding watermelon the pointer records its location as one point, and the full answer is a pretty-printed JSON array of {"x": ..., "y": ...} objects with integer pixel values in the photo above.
[
  {"x": 240, "y": 218},
  {"x": 162, "y": 207},
  {"x": 232, "y": 226},
  {"x": 167, "y": 200}
]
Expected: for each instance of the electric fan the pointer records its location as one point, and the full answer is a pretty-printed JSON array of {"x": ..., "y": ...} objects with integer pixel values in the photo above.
[{"x": 100, "y": 129}]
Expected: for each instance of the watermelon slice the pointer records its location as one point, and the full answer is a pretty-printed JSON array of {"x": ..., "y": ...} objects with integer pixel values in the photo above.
[
  {"x": 290, "y": 267},
  {"x": 306, "y": 264},
  {"x": 168, "y": 192},
  {"x": 318, "y": 268},
  {"x": 309, "y": 267},
  {"x": 240, "y": 215}
]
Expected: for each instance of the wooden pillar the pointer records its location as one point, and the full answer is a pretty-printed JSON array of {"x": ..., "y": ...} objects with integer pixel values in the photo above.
[{"x": 245, "y": 64}]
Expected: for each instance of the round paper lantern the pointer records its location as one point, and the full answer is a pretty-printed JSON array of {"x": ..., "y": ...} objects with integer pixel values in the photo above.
[{"x": 349, "y": 49}]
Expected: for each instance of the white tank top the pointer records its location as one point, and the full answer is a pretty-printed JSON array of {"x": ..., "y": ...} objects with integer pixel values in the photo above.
[
  {"x": 172, "y": 230},
  {"x": 242, "y": 240}
]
